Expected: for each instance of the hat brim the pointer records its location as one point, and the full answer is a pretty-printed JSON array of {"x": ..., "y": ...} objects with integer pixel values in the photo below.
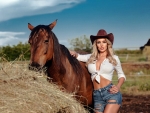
[{"x": 110, "y": 37}]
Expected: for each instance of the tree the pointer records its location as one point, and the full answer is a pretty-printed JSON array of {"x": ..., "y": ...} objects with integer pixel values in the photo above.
[
  {"x": 16, "y": 51},
  {"x": 81, "y": 44}
]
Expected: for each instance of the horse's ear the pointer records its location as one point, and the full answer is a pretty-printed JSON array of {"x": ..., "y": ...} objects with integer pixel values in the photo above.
[
  {"x": 30, "y": 26},
  {"x": 52, "y": 25}
]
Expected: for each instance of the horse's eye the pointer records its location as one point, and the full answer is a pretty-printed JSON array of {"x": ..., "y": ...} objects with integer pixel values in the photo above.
[{"x": 46, "y": 41}]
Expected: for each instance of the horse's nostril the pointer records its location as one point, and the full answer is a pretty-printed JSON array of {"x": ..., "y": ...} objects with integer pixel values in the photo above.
[{"x": 34, "y": 66}]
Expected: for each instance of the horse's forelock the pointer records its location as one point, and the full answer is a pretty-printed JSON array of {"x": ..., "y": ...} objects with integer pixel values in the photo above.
[{"x": 38, "y": 28}]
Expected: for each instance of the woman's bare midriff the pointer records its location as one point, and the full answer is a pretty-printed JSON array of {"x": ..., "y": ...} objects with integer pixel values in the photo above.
[{"x": 103, "y": 82}]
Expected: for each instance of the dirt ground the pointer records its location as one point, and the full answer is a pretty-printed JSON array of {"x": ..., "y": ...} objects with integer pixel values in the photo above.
[{"x": 135, "y": 104}]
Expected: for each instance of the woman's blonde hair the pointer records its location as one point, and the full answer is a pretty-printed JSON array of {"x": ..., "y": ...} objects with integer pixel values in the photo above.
[{"x": 110, "y": 54}]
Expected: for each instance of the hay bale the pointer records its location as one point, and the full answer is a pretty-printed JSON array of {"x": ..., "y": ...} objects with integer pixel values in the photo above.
[
  {"x": 24, "y": 91},
  {"x": 146, "y": 52}
]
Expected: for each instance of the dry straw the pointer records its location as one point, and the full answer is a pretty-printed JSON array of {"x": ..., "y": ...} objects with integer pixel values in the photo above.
[{"x": 25, "y": 91}]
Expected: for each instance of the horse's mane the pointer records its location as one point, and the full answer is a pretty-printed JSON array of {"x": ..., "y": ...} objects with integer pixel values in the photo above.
[
  {"x": 73, "y": 61},
  {"x": 58, "y": 51}
]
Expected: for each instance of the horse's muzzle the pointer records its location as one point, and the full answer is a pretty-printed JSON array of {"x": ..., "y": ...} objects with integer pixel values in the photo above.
[{"x": 35, "y": 66}]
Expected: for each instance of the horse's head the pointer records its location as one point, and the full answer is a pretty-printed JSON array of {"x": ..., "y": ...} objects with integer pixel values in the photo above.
[{"x": 41, "y": 44}]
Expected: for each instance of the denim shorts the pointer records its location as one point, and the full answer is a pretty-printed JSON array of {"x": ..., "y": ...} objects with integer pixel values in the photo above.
[{"x": 102, "y": 96}]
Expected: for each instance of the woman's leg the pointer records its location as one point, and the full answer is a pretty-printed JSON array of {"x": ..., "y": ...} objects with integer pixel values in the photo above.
[
  {"x": 112, "y": 107},
  {"x": 113, "y": 103},
  {"x": 99, "y": 107},
  {"x": 99, "y": 103}
]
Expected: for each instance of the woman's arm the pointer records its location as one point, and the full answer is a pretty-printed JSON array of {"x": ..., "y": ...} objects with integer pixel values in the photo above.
[
  {"x": 121, "y": 77},
  {"x": 120, "y": 82},
  {"x": 83, "y": 58},
  {"x": 119, "y": 70},
  {"x": 116, "y": 88},
  {"x": 73, "y": 53}
]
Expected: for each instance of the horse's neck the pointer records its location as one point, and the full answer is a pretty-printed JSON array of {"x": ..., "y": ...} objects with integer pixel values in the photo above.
[
  {"x": 60, "y": 76},
  {"x": 54, "y": 70}
]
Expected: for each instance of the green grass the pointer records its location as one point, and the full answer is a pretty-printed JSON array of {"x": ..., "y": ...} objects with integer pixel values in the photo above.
[
  {"x": 125, "y": 58},
  {"x": 135, "y": 85}
]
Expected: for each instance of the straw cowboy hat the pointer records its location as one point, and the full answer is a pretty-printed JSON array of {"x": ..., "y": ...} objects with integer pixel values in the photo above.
[{"x": 102, "y": 34}]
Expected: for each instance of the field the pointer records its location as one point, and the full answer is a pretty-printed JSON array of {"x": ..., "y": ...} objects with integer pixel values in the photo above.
[
  {"x": 138, "y": 78},
  {"x": 136, "y": 89},
  {"x": 24, "y": 91}
]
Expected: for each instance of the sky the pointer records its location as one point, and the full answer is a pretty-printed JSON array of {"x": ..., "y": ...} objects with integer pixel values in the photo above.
[{"x": 128, "y": 20}]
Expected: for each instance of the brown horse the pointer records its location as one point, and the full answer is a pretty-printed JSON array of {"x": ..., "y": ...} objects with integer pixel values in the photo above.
[{"x": 64, "y": 69}]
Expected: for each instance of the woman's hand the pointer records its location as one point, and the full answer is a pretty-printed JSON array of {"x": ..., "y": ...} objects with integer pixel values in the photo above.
[
  {"x": 73, "y": 53},
  {"x": 114, "y": 89}
]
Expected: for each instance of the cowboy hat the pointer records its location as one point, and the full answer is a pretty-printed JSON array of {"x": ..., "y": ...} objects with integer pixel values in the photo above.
[{"x": 102, "y": 34}]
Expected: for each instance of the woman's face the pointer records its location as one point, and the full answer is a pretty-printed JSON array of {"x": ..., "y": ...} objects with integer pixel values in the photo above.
[{"x": 101, "y": 45}]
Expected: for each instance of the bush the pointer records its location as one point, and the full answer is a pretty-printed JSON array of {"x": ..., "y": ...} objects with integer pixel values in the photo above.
[
  {"x": 144, "y": 87},
  {"x": 13, "y": 52}
]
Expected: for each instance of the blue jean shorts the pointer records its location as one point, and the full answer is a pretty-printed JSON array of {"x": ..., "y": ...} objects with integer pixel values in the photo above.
[{"x": 102, "y": 96}]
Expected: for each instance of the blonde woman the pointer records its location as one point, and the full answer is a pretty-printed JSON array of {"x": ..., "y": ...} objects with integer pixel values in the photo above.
[{"x": 101, "y": 65}]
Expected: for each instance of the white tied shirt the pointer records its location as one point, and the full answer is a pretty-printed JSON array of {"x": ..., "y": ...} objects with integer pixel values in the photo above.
[{"x": 106, "y": 68}]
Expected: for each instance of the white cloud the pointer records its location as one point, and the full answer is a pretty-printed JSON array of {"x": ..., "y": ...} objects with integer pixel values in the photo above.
[
  {"x": 11, "y": 38},
  {"x": 18, "y": 8}
]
